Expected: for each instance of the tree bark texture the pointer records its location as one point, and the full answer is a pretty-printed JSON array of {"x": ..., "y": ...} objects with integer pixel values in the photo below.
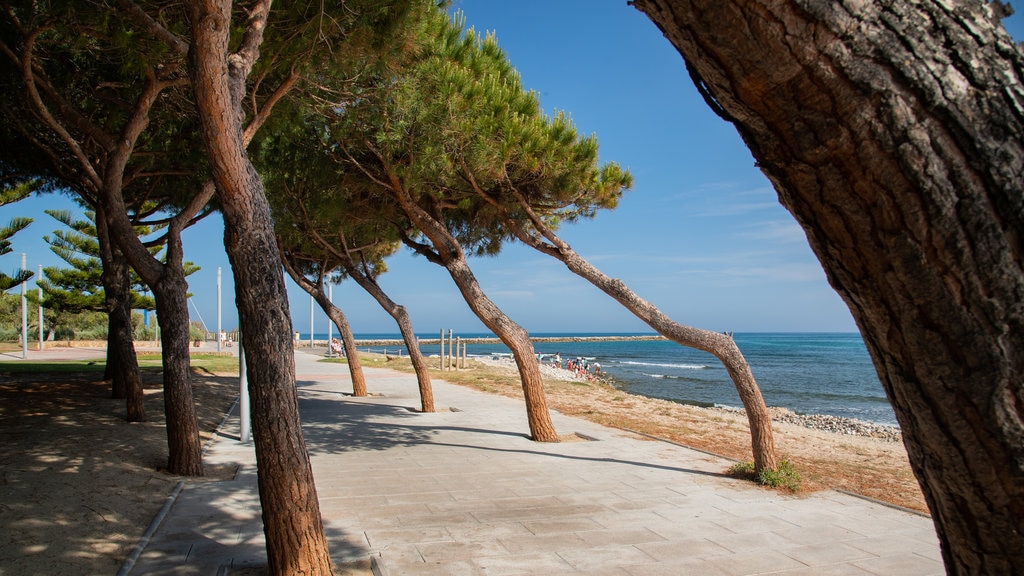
[
  {"x": 893, "y": 132},
  {"x": 296, "y": 543},
  {"x": 122, "y": 363},
  {"x": 518, "y": 341},
  {"x": 185, "y": 455},
  {"x": 401, "y": 317}
]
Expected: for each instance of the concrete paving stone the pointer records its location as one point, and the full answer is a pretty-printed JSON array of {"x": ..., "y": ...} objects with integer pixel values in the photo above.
[
  {"x": 811, "y": 533},
  {"x": 526, "y": 544},
  {"x": 828, "y": 553},
  {"x": 380, "y": 538},
  {"x": 685, "y": 567},
  {"x": 597, "y": 558},
  {"x": 491, "y": 531},
  {"x": 828, "y": 570},
  {"x": 679, "y": 549},
  {"x": 523, "y": 564},
  {"x": 555, "y": 524},
  {"x": 451, "y": 550},
  {"x": 608, "y": 537},
  {"x": 693, "y": 528},
  {"x": 750, "y": 541},
  {"x": 904, "y": 564},
  {"x": 889, "y": 546},
  {"x": 760, "y": 562}
]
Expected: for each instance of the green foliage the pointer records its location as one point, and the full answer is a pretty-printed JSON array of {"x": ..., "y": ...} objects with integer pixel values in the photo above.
[
  {"x": 8, "y": 194},
  {"x": 454, "y": 128}
]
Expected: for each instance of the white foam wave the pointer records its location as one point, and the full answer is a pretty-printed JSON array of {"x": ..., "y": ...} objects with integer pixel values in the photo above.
[{"x": 682, "y": 366}]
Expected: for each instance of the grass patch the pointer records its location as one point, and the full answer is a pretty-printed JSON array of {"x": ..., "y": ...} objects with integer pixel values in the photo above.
[
  {"x": 211, "y": 363},
  {"x": 63, "y": 366},
  {"x": 785, "y": 476}
]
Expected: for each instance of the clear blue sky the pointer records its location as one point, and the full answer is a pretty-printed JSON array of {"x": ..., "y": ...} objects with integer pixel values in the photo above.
[{"x": 701, "y": 234}]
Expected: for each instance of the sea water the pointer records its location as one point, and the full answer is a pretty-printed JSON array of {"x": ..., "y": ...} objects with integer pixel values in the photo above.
[{"x": 808, "y": 373}]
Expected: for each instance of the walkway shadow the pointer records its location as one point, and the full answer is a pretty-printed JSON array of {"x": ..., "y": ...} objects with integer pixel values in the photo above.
[{"x": 340, "y": 426}]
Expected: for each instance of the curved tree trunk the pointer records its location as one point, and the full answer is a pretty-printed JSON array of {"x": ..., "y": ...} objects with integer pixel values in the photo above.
[
  {"x": 449, "y": 254},
  {"x": 355, "y": 368},
  {"x": 720, "y": 345},
  {"x": 316, "y": 290},
  {"x": 401, "y": 317},
  {"x": 518, "y": 341},
  {"x": 296, "y": 542},
  {"x": 893, "y": 132}
]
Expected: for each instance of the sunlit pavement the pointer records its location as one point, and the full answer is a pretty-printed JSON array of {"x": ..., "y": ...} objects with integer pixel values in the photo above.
[{"x": 464, "y": 491}]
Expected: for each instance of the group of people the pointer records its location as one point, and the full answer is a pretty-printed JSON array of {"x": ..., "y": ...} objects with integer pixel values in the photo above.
[
  {"x": 582, "y": 367},
  {"x": 579, "y": 366}
]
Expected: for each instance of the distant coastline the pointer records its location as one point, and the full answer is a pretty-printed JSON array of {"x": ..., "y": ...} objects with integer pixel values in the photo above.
[{"x": 495, "y": 340}]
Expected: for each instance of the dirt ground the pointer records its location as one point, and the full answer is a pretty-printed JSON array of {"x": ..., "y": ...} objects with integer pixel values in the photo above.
[{"x": 81, "y": 485}]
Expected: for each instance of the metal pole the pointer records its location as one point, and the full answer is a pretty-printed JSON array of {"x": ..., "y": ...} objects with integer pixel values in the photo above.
[
  {"x": 243, "y": 394},
  {"x": 442, "y": 350},
  {"x": 24, "y": 313},
  {"x": 219, "y": 338},
  {"x": 330, "y": 298},
  {"x": 310, "y": 321},
  {"x": 38, "y": 280}
]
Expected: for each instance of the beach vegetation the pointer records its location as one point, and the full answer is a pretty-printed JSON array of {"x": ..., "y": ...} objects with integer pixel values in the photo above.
[
  {"x": 785, "y": 476},
  {"x": 893, "y": 132}
]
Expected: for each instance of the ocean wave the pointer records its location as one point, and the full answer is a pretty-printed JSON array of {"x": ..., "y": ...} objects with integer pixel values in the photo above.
[{"x": 659, "y": 365}]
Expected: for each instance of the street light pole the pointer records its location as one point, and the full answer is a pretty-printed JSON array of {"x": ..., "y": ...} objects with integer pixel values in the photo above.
[
  {"x": 38, "y": 280},
  {"x": 24, "y": 313}
]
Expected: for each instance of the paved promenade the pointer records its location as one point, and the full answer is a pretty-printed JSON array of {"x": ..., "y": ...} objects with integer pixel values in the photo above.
[{"x": 462, "y": 491}]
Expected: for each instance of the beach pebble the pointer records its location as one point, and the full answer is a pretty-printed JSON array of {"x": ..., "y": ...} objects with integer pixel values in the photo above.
[{"x": 834, "y": 424}]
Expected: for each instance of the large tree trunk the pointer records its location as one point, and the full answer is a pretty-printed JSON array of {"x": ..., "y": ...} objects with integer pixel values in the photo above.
[
  {"x": 294, "y": 531},
  {"x": 185, "y": 448},
  {"x": 126, "y": 381},
  {"x": 122, "y": 364},
  {"x": 518, "y": 341},
  {"x": 401, "y": 316},
  {"x": 893, "y": 132}
]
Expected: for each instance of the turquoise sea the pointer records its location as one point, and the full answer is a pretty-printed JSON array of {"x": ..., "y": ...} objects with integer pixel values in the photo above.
[{"x": 809, "y": 373}]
